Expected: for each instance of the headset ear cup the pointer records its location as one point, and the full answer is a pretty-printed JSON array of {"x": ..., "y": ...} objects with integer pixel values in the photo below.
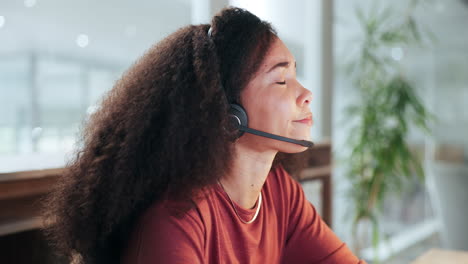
[{"x": 237, "y": 117}]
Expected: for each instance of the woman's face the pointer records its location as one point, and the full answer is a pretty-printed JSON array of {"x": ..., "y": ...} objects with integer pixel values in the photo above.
[{"x": 276, "y": 102}]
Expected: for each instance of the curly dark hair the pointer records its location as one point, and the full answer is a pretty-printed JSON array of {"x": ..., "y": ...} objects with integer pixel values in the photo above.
[{"x": 160, "y": 133}]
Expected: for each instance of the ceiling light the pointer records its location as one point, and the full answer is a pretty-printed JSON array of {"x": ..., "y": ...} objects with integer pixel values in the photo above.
[
  {"x": 82, "y": 40},
  {"x": 29, "y": 3},
  {"x": 2, "y": 21}
]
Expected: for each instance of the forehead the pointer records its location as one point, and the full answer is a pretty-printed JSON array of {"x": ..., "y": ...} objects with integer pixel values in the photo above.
[{"x": 278, "y": 52}]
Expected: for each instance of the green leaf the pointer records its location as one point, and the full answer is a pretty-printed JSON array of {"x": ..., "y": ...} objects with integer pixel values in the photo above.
[{"x": 414, "y": 29}]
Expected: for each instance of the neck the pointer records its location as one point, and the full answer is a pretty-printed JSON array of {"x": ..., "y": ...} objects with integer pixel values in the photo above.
[{"x": 247, "y": 175}]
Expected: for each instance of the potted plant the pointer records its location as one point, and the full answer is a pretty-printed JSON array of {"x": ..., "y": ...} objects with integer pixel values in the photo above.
[{"x": 381, "y": 160}]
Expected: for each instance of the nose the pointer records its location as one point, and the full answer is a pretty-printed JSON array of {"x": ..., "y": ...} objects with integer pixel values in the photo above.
[{"x": 305, "y": 97}]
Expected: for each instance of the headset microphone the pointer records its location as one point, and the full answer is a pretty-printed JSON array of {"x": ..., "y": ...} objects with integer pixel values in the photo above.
[
  {"x": 304, "y": 143},
  {"x": 240, "y": 121}
]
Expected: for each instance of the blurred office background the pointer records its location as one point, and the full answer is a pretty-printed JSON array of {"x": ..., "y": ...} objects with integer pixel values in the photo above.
[{"x": 58, "y": 58}]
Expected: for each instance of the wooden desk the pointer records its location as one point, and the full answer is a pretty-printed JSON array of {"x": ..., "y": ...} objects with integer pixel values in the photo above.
[
  {"x": 440, "y": 256},
  {"x": 20, "y": 193},
  {"x": 21, "y": 240}
]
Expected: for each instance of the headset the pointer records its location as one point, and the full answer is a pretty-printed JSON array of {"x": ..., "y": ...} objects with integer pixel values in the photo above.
[{"x": 239, "y": 121}]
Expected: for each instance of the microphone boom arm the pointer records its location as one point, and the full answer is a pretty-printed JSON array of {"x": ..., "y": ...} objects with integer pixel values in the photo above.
[{"x": 304, "y": 143}]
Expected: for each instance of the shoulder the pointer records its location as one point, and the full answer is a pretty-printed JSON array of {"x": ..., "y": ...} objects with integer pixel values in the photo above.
[
  {"x": 190, "y": 220},
  {"x": 163, "y": 229}
]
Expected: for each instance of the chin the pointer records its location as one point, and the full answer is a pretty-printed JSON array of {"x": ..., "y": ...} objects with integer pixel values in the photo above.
[{"x": 291, "y": 148}]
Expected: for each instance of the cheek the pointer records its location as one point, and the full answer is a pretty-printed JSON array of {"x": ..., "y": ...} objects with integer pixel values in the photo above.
[
  {"x": 278, "y": 114},
  {"x": 269, "y": 109}
]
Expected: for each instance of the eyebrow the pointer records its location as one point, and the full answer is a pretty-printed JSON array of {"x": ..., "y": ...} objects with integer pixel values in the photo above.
[{"x": 281, "y": 64}]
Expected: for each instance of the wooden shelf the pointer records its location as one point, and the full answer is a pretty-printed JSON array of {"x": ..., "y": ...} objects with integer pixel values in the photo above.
[
  {"x": 315, "y": 172},
  {"x": 320, "y": 169}
]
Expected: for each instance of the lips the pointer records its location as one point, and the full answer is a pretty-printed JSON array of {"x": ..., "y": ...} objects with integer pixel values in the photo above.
[{"x": 307, "y": 120}]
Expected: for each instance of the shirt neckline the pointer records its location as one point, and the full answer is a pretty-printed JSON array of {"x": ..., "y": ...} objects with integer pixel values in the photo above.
[{"x": 240, "y": 209}]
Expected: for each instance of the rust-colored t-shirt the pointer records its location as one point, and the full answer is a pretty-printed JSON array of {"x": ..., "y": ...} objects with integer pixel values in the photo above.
[{"x": 288, "y": 229}]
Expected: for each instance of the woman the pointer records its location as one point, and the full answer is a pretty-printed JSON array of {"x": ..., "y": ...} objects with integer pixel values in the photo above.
[{"x": 165, "y": 176}]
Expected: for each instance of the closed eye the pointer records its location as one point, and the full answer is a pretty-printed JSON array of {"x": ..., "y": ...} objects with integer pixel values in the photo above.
[{"x": 282, "y": 83}]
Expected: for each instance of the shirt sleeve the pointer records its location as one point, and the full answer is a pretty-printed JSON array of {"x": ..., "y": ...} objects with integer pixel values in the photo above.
[
  {"x": 163, "y": 238},
  {"x": 309, "y": 239}
]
